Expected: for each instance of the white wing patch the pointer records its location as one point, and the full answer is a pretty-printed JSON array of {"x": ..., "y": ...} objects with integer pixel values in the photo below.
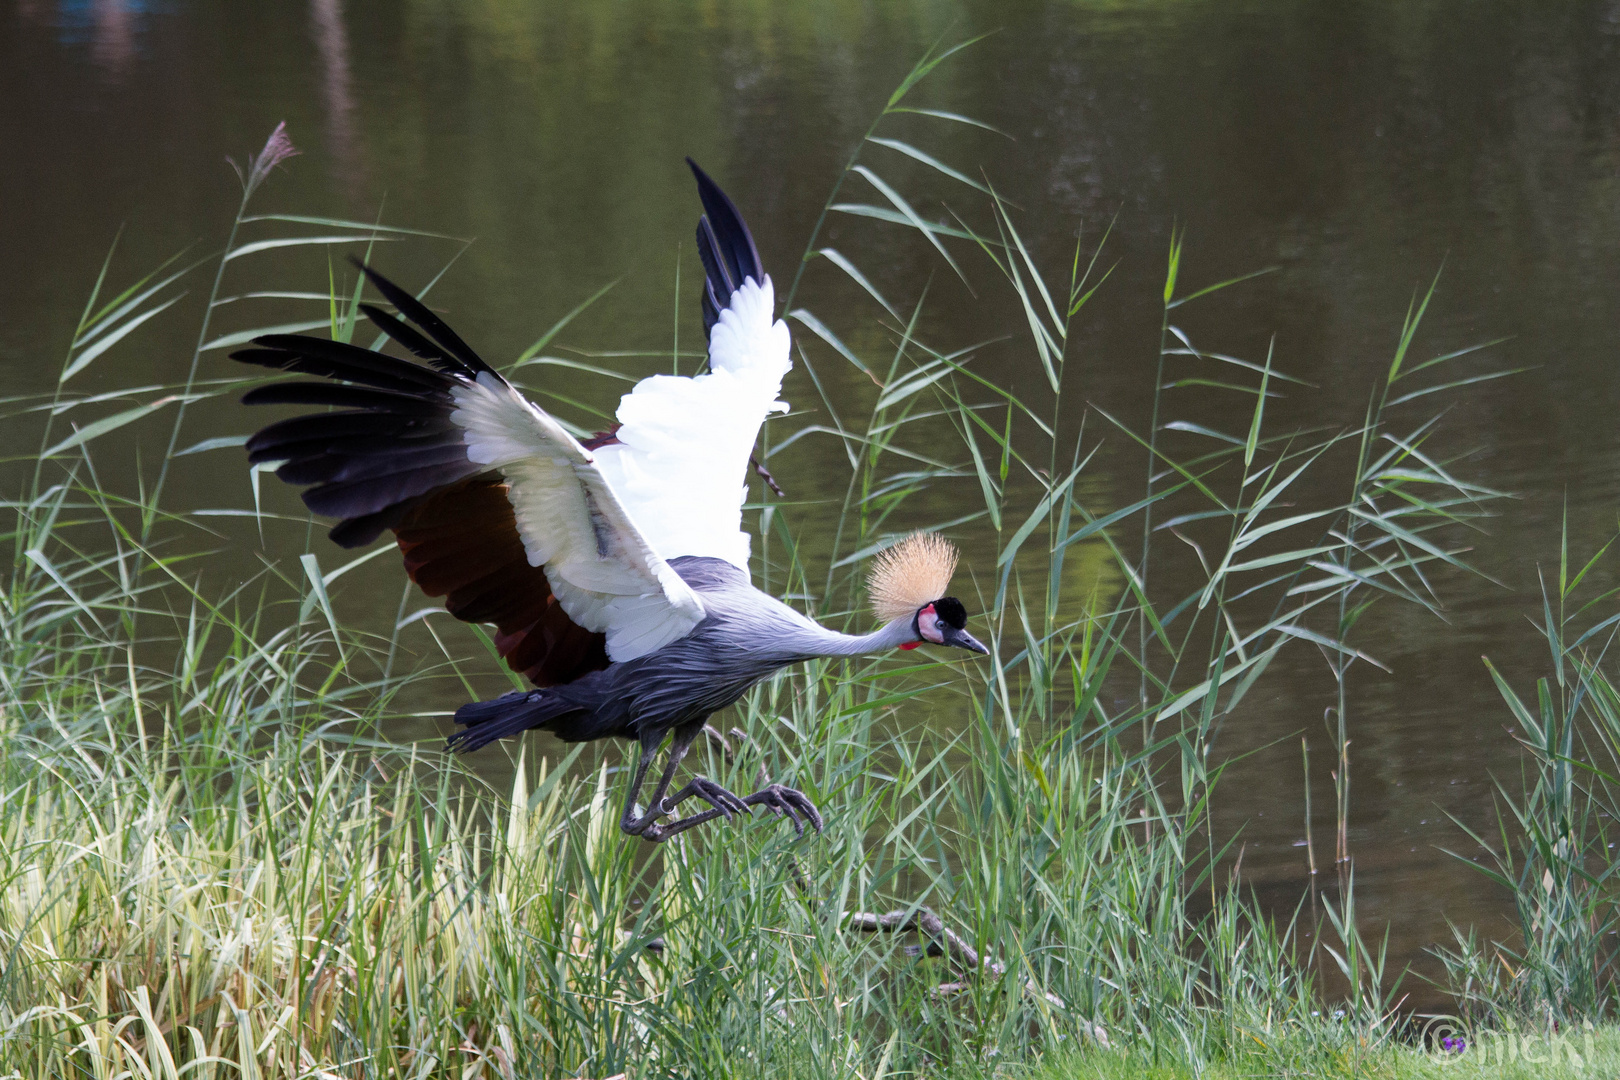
[
  {"x": 681, "y": 462},
  {"x": 602, "y": 569}
]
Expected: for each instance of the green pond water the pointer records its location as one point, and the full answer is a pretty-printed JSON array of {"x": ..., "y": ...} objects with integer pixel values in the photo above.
[{"x": 1356, "y": 147}]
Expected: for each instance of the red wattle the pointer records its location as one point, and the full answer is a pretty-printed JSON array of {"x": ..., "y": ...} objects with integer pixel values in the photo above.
[{"x": 911, "y": 645}]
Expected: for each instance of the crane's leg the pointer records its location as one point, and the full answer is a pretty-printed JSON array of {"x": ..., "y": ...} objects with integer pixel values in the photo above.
[
  {"x": 646, "y": 826},
  {"x": 777, "y": 798},
  {"x": 628, "y": 821}
]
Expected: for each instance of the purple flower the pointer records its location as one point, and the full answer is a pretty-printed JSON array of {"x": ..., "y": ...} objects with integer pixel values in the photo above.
[
  {"x": 1454, "y": 1044},
  {"x": 277, "y": 148}
]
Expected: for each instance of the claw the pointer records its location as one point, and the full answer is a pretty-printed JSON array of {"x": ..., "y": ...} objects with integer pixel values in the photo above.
[
  {"x": 782, "y": 807},
  {"x": 727, "y": 798},
  {"x": 716, "y": 796},
  {"x": 809, "y": 810},
  {"x": 785, "y": 801}
]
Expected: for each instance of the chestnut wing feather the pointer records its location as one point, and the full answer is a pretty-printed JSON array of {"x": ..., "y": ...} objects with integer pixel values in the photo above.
[{"x": 462, "y": 543}]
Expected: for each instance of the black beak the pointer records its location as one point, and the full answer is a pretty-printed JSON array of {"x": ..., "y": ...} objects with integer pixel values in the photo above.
[{"x": 961, "y": 639}]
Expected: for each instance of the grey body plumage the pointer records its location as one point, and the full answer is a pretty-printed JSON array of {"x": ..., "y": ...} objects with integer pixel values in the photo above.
[{"x": 746, "y": 637}]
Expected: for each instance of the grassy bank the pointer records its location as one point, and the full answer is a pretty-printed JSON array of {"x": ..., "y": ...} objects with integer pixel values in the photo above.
[
  {"x": 204, "y": 877},
  {"x": 1524, "y": 1057},
  {"x": 215, "y": 866}
]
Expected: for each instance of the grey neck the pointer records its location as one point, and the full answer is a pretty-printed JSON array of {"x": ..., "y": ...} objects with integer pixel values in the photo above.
[{"x": 814, "y": 640}]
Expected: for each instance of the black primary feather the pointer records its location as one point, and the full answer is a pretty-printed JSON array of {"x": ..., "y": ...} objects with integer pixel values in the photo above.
[
  {"x": 392, "y": 442},
  {"x": 400, "y": 441},
  {"x": 713, "y": 273},
  {"x": 334, "y": 466},
  {"x": 359, "y": 531},
  {"x": 376, "y": 432},
  {"x": 346, "y": 396},
  {"x": 418, "y": 313},
  {"x": 373, "y": 496},
  {"x": 725, "y": 246},
  {"x": 335, "y": 360},
  {"x": 414, "y": 342}
]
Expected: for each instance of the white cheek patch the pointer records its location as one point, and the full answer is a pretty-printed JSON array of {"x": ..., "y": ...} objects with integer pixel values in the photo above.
[{"x": 928, "y": 625}]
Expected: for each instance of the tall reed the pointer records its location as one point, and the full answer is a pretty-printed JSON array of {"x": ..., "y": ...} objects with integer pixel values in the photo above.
[{"x": 1553, "y": 851}]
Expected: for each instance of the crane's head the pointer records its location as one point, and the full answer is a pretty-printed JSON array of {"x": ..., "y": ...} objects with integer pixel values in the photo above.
[{"x": 908, "y": 581}]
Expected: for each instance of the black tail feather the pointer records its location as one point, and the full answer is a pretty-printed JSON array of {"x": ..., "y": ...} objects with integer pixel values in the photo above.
[
  {"x": 725, "y": 246},
  {"x": 485, "y": 721}
]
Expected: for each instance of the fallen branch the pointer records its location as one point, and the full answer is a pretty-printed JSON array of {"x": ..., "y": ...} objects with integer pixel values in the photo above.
[{"x": 940, "y": 940}]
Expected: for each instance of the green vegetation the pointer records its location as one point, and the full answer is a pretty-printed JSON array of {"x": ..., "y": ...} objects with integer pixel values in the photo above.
[
  {"x": 214, "y": 867},
  {"x": 1523, "y": 1057}
]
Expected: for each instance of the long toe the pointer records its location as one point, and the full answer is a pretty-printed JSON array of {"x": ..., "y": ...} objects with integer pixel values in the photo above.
[
  {"x": 735, "y": 801},
  {"x": 783, "y": 807},
  {"x": 714, "y": 795},
  {"x": 787, "y": 801},
  {"x": 804, "y": 806},
  {"x": 722, "y": 800}
]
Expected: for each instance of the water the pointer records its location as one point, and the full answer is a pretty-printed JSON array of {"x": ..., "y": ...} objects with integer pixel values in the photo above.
[{"x": 1357, "y": 147}]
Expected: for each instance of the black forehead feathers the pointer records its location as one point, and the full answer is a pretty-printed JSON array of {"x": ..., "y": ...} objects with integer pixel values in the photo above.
[{"x": 951, "y": 612}]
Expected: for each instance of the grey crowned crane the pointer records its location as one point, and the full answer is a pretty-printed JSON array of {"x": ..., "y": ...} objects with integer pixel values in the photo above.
[{"x": 615, "y": 571}]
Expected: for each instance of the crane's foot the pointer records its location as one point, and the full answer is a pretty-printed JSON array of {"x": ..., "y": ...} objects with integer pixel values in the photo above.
[
  {"x": 787, "y": 802},
  {"x": 724, "y": 803},
  {"x": 701, "y": 787},
  {"x": 777, "y": 798}
]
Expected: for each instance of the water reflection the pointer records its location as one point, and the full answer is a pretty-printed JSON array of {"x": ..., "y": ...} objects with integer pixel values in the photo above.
[
  {"x": 109, "y": 26},
  {"x": 114, "y": 45},
  {"x": 332, "y": 41}
]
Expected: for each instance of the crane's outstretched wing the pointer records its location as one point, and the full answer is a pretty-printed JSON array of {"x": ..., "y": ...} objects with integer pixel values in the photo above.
[
  {"x": 679, "y": 458},
  {"x": 432, "y": 452}
]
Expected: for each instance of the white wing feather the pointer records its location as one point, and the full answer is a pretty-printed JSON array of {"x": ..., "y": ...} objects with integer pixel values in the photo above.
[
  {"x": 681, "y": 462},
  {"x": 601, "y": 568}
]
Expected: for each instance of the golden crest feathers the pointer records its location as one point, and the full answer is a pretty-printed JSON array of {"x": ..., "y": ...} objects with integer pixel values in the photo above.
[{"x": 912, "y": 573}]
